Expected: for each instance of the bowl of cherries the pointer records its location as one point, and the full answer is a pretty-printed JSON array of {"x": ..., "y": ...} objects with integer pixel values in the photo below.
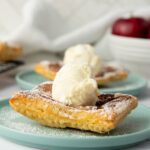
[{"x": 129, "y": 43}]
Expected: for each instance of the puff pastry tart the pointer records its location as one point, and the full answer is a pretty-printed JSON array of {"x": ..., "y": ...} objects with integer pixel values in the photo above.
[
  {"x": 107, "y": 113},
  {"x": 108, "y": 74},
  {"x": 8, "y": 52}
]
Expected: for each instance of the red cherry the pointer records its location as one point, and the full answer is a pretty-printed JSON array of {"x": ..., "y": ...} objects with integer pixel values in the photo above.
[{"x": 131, "y": 27}]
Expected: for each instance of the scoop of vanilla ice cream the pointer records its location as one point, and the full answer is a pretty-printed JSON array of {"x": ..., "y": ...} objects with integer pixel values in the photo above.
[
  {"x": 74, "y": 85},
  {"x": 84, "y": 53}
]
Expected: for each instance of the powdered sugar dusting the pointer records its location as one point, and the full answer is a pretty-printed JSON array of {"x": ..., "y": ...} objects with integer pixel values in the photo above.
[
  {"x": 13, "y": 120},
  {"x": 109, "y": 74},
  {"x": 118, "y": 107},
  {"x": 43, "y": 92},
  {"x": 46, "y": 63}
]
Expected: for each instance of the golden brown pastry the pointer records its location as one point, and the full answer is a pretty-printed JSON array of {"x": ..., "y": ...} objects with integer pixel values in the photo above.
[
  {"x": 107, "y": 113},
  {"x": 8, "y": 52},
  {"x": 106, "y": 75}
]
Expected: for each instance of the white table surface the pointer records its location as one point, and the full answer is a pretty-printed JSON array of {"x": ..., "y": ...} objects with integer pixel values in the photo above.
[{"x": 8, "y": 87}]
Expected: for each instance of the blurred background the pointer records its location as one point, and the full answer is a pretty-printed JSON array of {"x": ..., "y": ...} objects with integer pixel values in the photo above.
[
  {"x": 11, "y": 10},
  {"x": 76, "y": 13},
  {"x": 54, "y": 26}
]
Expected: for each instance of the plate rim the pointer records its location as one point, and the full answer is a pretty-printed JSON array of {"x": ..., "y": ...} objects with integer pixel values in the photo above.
[
  {"x": 97, "y": 141},
  {"x": 19, "y": 80},
  {"x": 143, "y": 85}
]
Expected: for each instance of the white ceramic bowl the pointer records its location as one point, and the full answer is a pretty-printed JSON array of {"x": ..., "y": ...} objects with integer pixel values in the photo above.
[
  {"x": 132, "y": 53},
  {"x": 130, "y": 48},
  {"x": 129, "y": 41}
]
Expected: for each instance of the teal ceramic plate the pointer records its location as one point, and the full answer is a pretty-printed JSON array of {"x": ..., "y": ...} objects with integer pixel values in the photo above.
[
  {"x": 15, "y": 127},
  {"x": 134, "y": 84}
]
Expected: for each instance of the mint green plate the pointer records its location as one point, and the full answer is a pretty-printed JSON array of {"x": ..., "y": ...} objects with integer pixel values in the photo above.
[
  {"x": 19, "y": 129},
  {"x": 133, "y": 85}
]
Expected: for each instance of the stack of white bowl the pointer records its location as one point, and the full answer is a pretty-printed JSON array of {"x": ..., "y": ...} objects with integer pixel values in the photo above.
[{"x": 132, "y": 53}]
